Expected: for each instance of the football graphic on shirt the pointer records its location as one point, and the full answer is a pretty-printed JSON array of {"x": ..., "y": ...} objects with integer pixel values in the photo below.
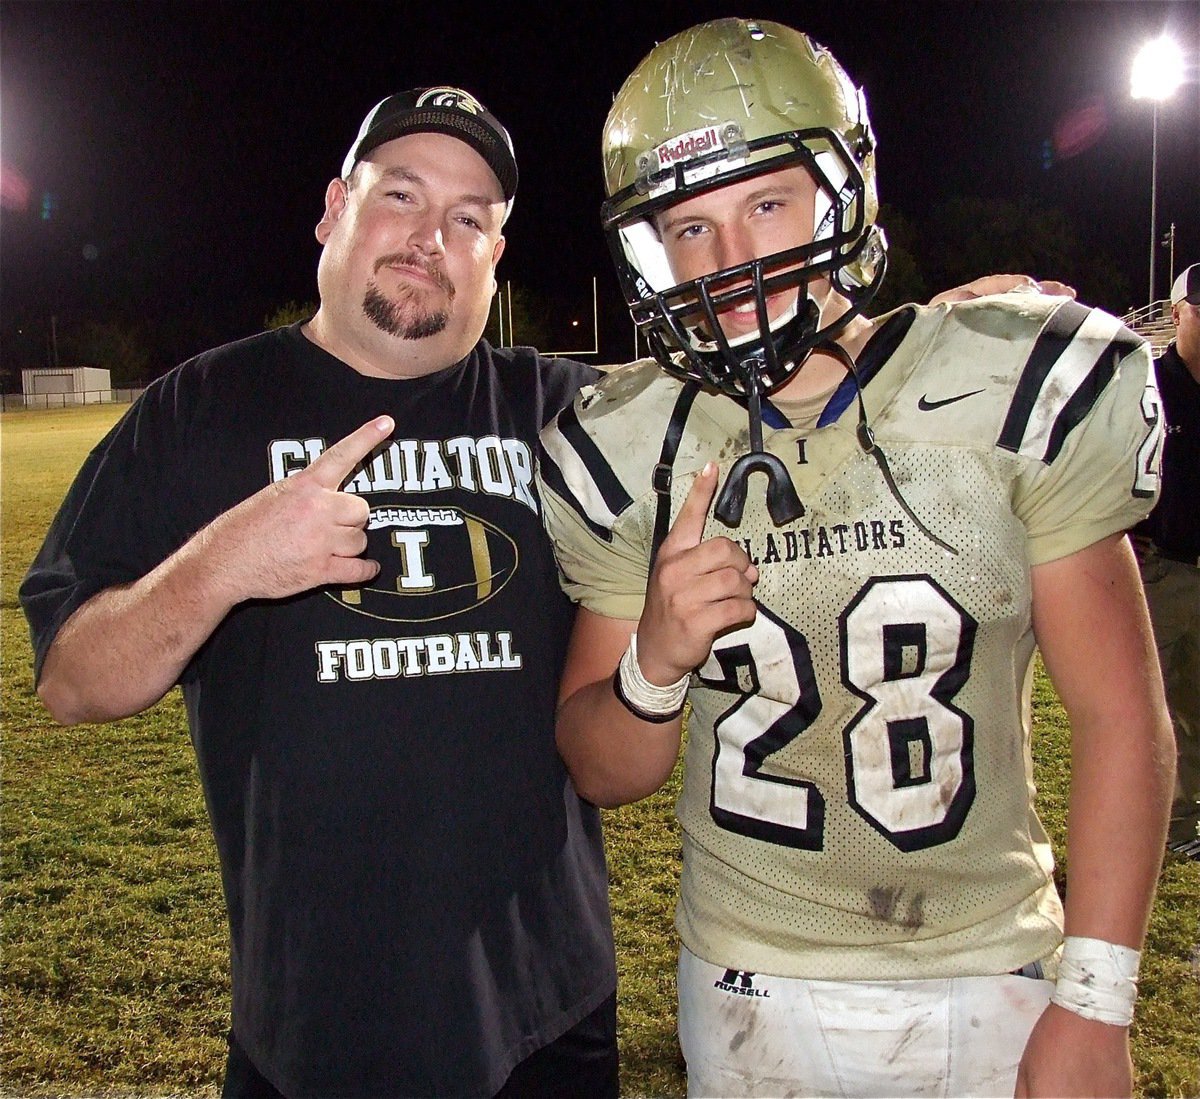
[{"x": 435, "y": 562}]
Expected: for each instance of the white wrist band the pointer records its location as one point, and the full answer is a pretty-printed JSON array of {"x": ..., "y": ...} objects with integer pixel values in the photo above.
[
  {"x": 645, "y": 700},
  {"x": 1097, "y": 980}
]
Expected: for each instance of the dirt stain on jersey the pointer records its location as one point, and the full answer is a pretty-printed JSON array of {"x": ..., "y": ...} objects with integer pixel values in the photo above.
[
  {"x": 947, "y": 791},
  {"x": 889, "y": 904}
]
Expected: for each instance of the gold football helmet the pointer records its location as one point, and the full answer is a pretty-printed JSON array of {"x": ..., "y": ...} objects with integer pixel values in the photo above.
[{"x": 713, "y": 105}]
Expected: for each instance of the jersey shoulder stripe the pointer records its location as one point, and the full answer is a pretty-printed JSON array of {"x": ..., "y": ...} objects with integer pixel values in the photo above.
[
  {"x": 1073, "y": 359},
  {"x": 599, "y": 455},
  {"x": 596, "y": 517},
  {"x": 575, "y": 469}
]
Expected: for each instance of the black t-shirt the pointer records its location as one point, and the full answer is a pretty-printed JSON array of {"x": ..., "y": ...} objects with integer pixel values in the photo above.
[
  {"x": 1174, "y": 524},
  {"x": 417, "y": 898}
]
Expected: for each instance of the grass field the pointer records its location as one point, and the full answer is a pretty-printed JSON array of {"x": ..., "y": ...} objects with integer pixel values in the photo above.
[{"x": 114, "y": 939}]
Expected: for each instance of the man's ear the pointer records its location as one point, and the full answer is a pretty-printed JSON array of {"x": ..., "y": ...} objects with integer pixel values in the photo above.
[
  {"x": 497, "y": 252},
  {"x": 336, "y": 196}
]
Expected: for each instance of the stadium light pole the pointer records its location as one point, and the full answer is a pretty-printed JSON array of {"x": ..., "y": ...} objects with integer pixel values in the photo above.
[
  {"x": 1168, "y": 241},
  {"x": 1157, "y": 73}
]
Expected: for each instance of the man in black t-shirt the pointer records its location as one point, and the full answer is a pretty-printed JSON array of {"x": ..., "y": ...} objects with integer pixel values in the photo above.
[
  {"x": 328, "y": 536},
  {"x": 1168, "y": 548}
]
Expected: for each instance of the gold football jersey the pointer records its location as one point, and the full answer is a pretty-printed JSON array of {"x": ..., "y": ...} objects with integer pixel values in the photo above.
[{"x": 858, "y": 793}]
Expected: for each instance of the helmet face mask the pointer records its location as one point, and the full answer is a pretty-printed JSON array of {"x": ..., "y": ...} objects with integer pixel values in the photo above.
[{"x": 679, "y": 128}]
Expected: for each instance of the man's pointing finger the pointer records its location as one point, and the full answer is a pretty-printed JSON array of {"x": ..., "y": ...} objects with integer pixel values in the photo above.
[{"x": 341, "y": 459}]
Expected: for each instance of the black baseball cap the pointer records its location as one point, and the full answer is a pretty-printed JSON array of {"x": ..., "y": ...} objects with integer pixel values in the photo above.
[
  {"x": 439, "y": 110},
  {"x": 1187, "y": 286}
]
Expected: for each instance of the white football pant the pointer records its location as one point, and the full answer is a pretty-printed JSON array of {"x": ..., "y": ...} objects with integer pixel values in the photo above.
[{"x": 748, "y": 1034}]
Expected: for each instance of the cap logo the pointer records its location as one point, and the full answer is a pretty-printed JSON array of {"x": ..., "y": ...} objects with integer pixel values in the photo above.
[{"x": 454, "y": 98}]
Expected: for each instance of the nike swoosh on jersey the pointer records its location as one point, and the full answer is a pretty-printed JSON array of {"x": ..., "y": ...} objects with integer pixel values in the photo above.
[{"x": 926, "y": 405}]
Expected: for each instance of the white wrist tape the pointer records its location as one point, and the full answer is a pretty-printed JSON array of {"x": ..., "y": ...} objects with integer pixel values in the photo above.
[
  {"x": 644, "y": 699},
  {"x": 1097, "y": 980}
]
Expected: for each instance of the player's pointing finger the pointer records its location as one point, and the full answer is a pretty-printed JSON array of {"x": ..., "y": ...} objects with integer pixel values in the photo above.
[
  {"x": 688, "y": 528},
  {"x": 340, "y": 460}
]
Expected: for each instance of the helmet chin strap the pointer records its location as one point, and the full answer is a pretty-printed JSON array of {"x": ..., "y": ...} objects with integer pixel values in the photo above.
[
  {"x": 783, "y": 503},
  {"x": 868, "y": 445},
  {"x": 782, "y": 500}
]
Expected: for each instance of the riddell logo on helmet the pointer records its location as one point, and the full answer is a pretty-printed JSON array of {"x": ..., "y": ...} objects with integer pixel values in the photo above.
[{"x": 688, "y": 146}]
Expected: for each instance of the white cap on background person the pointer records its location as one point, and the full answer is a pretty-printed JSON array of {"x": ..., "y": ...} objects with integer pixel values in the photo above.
[{"x": 1187, "y": 286}]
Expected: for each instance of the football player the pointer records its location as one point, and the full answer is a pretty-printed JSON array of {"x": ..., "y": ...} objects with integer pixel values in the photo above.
[{"x": 906, "y": 508}]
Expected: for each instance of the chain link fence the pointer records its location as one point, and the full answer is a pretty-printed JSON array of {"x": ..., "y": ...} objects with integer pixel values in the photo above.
[{"x": 19, "y": 401}]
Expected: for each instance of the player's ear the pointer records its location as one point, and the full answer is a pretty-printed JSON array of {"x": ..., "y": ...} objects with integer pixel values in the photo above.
[{"x": 336, "y": 196}]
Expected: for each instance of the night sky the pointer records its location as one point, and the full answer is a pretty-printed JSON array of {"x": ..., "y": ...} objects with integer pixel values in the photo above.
[{"x": 185, "y": 148}]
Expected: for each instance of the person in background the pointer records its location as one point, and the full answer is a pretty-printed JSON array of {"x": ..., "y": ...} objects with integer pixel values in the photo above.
[
  {"x": 1168, "y": 549},
  {"x": 904, "y": 509}
]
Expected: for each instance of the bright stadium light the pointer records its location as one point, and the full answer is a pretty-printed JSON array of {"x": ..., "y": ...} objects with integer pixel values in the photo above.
[
  {"x": 1157, "y": 74},
  {"x": 1157, "y": 70}
]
